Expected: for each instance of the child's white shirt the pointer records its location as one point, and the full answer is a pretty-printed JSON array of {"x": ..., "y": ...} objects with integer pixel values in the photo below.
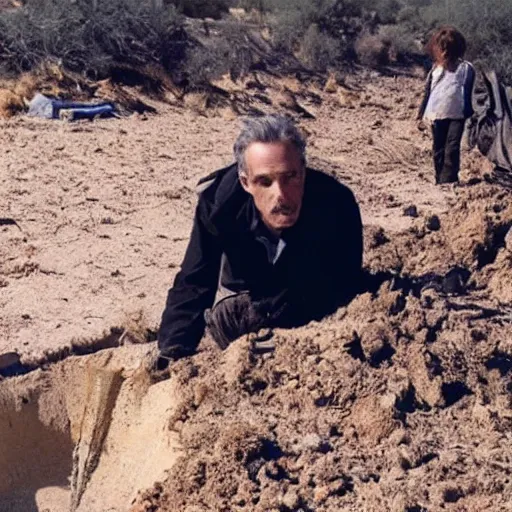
[{"x": 446, "y": 99}]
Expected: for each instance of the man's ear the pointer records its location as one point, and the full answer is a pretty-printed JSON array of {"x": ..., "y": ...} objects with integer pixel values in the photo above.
[{"x": 243, "y": 181}]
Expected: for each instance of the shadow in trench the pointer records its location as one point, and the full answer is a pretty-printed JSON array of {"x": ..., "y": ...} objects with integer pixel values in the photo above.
[{"x": 33, "y": 456}]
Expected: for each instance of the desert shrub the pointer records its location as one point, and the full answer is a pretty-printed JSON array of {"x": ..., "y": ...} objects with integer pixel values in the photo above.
[
  {"x": 229, "y": 54},
  {"x": 401, "y": 42},
  {"x": 258, "y": 5},
  {"x": 386, "y": 10},
  {"x": 316, "y": 29},
  {"x": 318, "y": 50},
  {"x": 91, "y": 41},
  {"x": 372, "y": 50},
  {"x": 487, "y": 27}
]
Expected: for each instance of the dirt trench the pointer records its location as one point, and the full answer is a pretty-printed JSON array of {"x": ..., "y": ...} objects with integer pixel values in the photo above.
[{"x": 84, "y": 434}]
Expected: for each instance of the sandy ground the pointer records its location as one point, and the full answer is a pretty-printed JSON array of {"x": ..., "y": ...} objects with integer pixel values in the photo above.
[{"x": 104, "y": 209}]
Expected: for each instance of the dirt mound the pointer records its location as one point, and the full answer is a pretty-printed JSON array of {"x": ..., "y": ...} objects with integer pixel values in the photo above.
[{"x": 400, "y": 401}]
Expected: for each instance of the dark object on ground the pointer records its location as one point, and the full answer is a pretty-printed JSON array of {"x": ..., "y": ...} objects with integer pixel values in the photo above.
[
  {"x": 6, "y": 221},
  {"x": 411, "y": 211},
  {"x": 10, "y": 365},
  {"x": 433, "y": 223}
]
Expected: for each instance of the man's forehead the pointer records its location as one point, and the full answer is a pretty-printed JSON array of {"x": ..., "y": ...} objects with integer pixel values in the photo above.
[{"x": 263, "y": 157}]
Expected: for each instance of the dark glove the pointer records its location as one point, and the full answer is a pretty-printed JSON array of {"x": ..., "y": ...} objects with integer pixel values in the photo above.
[
  {"x": 235, "y": 316},
  {"x": 163, "y": 359}
]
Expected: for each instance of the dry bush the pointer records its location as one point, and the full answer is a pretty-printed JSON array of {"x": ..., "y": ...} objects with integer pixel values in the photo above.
[
  {"x": 401, "y": 42},
  {"x": 386, "y": 10},
  {"x": 91, "y": 41},
  {"x": 339, "y": 19},
  {"x": 229, "y": 54},
  {"x": 318, "y": 50},
  {"x": 372, "y": 50},
  {"x": 10, "y": 103}
]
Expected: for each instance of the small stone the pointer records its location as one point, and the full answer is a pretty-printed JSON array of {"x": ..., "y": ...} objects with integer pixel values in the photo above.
[
  {"x": 321, "y": 494},
  {"x": 291, "y": 500},
  {"x": 433, "y": 223},
  {"x": 411, "y": 211},
  {"x": 311, "y": 442}
]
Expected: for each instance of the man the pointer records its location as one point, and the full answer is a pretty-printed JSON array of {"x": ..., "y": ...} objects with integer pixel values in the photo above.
[{"x": 274, "y": 244}]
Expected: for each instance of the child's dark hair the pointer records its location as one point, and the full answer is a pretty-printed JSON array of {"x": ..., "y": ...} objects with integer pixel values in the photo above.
[{"x": 446, "y": 45}]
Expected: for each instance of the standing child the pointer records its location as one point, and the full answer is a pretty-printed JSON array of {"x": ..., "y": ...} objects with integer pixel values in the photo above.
[{"x": 447, "y": 102}]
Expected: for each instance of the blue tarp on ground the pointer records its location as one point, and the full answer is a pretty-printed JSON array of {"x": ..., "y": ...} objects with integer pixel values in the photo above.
[{"x": 50, "y": 108}]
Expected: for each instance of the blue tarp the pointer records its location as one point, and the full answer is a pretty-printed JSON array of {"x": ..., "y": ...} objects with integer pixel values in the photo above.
[{"x": 50, "y": 108}]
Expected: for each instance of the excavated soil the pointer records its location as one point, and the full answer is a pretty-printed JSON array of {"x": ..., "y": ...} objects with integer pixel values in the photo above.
[{"x": 400, "y": 401}]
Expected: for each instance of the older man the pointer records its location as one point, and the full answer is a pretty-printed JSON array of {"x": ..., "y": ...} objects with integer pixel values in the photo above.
[{"x": 274, "y": 244}]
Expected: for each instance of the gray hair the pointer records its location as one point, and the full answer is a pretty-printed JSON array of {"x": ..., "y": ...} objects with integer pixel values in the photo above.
[{"x": 269, "y": 128}]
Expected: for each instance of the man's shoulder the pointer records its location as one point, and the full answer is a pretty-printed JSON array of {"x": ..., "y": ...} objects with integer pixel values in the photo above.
[
  {"x": 219, "y": 185},
  {"x": 213, "y": 180},
  {"x": 323, "y": 185}
]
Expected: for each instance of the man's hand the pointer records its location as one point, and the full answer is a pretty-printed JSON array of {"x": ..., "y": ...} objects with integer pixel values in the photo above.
[
  {"x": 157, "y": 362},
  {"x": 235, "y": 316}
]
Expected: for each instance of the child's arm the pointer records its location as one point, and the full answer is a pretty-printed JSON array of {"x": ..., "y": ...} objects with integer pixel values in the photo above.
[{"x": 426, "y": 95}]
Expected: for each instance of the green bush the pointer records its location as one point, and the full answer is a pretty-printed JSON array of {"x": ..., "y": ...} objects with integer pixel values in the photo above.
[
  {"x": 386, "y": 10},
  {"x": 320, "y": 32},
  {"x": 400, "y": 41}
]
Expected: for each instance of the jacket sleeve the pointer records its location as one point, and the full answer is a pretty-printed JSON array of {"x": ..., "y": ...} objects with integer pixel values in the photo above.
[
  {"x": 468, "y": 91},
  {"x": 346, "y": 255},
  {"x": 426, "y": 96},
  {"x": 194, "y": 289}
]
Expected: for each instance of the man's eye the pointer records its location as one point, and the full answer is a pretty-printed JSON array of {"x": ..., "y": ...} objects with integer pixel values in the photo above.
[{"x": 264, "y": 182}]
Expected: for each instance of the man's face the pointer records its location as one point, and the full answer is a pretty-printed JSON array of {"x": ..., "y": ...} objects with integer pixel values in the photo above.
[{"x": 275, "y": 179}]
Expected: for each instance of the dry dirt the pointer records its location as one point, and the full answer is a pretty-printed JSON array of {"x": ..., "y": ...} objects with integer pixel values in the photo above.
[{"x": 399, "y": 402}]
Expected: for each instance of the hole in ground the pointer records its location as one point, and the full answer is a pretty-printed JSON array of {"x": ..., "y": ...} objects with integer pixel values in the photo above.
[
  {"x": 35, "y": 458},
  {"x": 486, "y": 254},
  {"x": 501, "y": 362},
  {"x": 454, "y": 391},
  {"x": 56, "y": 426}
]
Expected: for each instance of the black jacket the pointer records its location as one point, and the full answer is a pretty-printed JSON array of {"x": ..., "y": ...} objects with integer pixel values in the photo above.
[{"x": 318, "y": 270}]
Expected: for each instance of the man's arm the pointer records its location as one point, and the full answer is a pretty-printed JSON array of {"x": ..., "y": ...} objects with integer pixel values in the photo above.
[{"x": 193, "y": 291}]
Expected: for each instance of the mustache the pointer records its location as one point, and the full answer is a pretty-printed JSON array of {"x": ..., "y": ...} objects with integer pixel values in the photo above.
[{"x": 283, "y": 209}]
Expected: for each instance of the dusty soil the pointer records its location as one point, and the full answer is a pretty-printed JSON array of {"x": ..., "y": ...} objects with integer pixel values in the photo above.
[{"x": 400, "y": 402}]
